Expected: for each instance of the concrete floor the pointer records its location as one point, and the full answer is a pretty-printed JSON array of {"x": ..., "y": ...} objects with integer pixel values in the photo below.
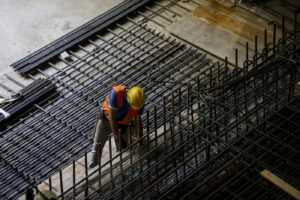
[{"x": 27, "y": 25}]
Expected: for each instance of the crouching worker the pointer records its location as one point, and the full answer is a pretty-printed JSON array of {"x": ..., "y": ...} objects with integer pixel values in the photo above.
[{"x": 121, "y": 110}]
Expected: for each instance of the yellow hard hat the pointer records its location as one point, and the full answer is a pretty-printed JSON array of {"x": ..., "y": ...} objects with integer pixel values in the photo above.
[{"x": 136, "y": 97}]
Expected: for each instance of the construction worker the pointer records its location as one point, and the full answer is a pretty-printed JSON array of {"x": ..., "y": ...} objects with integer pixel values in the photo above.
[{"x": 119, "y": 114}]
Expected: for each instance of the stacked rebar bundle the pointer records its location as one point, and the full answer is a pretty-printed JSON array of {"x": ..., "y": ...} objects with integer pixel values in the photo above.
[{"x": 24, "y": 101}]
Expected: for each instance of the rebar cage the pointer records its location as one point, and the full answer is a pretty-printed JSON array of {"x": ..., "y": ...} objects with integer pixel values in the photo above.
[{"x": 212, "y": 137}]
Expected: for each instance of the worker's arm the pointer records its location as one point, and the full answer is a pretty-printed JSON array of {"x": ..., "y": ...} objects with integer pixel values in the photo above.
[{"x": 113, "y": 123}]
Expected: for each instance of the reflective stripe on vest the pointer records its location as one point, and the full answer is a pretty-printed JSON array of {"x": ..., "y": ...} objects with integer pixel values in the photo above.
[{"x": 120, "y": 92}]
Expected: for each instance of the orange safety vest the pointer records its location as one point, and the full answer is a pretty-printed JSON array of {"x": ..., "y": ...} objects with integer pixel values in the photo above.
[{"x": 120, "y": 92}]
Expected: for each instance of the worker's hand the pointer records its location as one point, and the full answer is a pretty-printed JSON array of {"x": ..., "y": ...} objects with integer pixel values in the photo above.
[
  {"x": 120, "y": 142},
  {"x": 117, "y": 142},
  {"x": 122, "y": 145},
  {"x": 141, "y": 142}
]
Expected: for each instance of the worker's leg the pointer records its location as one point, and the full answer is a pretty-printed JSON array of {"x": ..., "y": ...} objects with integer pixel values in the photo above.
[{"x": 102, "y": 130}]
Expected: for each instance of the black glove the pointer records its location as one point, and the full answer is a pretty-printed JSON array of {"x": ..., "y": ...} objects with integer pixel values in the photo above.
[
  {"x": 123, "y": 144},
  {"x": 117, "y": 144},
  {"x": 141, "y": 142}
]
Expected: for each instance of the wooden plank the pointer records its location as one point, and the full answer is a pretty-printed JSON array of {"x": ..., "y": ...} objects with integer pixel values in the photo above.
[{"x": 280, "y": 183}]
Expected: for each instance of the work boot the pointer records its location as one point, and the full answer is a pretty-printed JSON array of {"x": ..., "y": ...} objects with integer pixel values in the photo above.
[
  {"x": 93, "y": 160},
  {"x": 94, "y": 156}
]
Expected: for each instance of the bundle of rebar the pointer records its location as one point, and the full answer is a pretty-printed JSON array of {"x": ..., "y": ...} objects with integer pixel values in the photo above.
[{"x": 24, "y": 101}]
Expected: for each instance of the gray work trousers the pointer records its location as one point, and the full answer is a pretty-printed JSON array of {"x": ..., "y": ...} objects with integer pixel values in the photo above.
[{"x": 102, "y": 131}]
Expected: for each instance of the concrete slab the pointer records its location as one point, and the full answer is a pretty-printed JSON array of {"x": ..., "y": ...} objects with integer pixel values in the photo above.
[{"x": 29, "y": 25}]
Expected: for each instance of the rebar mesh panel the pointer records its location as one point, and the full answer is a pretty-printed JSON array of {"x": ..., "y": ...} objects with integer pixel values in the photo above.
[{"x": 132, "y": 54}]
